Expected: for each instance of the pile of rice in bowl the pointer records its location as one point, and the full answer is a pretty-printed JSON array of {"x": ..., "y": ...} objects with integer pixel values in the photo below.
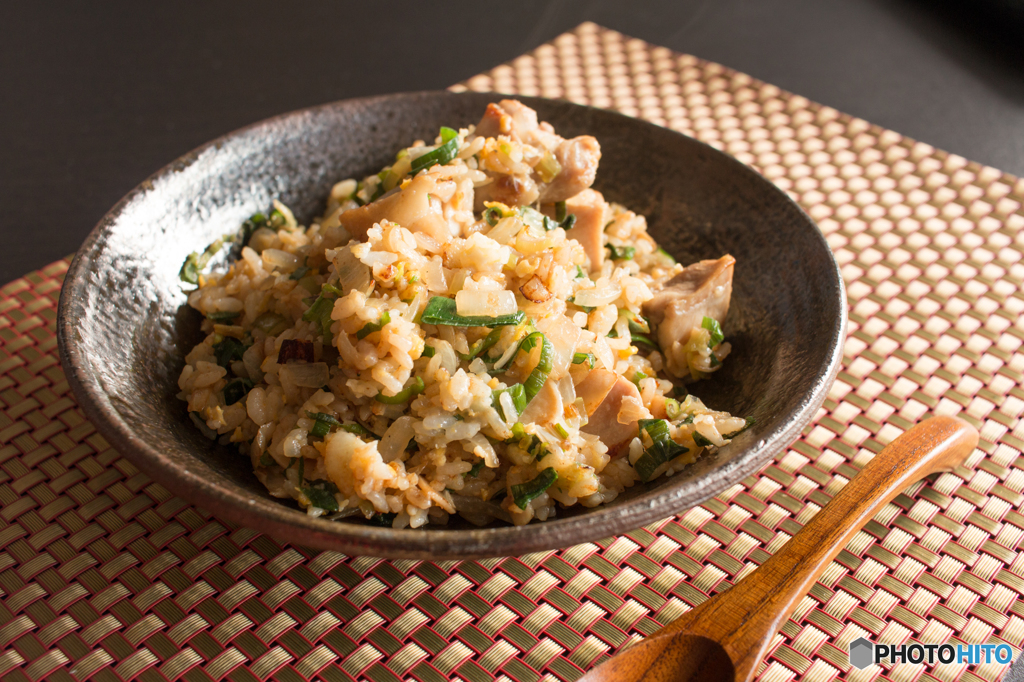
[{"x": 473, "y": 330}]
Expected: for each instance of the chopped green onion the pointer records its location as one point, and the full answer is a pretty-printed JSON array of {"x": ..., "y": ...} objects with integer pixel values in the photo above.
[
  {"x": 560, "y": 211},
  {"x": 666, "y": 254},
  {"x": 579, "y": 272},
  {"x": 493, "y": 215},
  {"x": 712, "y": 326},
  {"x": 672, "y": 408},
  {"x": 385, "y": 520},
  {"x": 477, "y": 468},
  {"x": 371, "y": 327},
  {"x": 750, "y": 422},
  {"x": 700, "y": 440},
  {"x": 540, "y": 373},
  {"x": 320, "y": 310},
  {"x": 482, "y": 345},
  {"x": 663, "y": 449},
  {"x": 323, "y": 424},
  {"x": 255, "y": 222},
  {"x": 569, "y": 222},
  {"x": 277, "y": 219},
  {"x": 195, "y": 261},
  {"x": 442, "y": 311},
  {"x": 523, "y": 493},
  {"x": 236, "y": 389},
  {"x": 359, "y": 430},
  {"x": 534, "y": 218},
  {"x": 519, "y": 400},
  {"x": 638, "y": 376},
  {"x": 321, "y": 494},
  {"x": 585, "y": 308},
  {"x": 229, "y": 350},
  {"x": 714, "y": 361},
  {"x": 588, "y": 358},
  {"x": 300, "y": 272},
  {"x": 562, "y": 432},
  {"x": 223, "y": 316},
  {"x": 266, "y": 460},
  {"x": 441, "y": 155},
  {"x": 644, "y": 341},
  {"x": 620, "y": 252},
  {"x": 518, "y": 431},
  {"x": 548, "y": 167},
  {"x": 403, "y": 396},
  {"x": 271, "y": 324},
  {"x": 638, "y": 324},
  {"x": 428, "y": 352}
]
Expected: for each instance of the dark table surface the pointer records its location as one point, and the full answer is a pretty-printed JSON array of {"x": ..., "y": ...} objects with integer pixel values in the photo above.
[{"x": 98, "y": 96}]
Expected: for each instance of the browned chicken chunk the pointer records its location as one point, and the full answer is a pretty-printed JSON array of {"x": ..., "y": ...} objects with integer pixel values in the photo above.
[
  {"x": 702, "y": 289},
  {"x": 609, "y": 421}
]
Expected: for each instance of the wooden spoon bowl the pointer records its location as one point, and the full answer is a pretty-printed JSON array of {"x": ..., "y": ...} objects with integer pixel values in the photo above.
[{"x": 729, "y": 634}]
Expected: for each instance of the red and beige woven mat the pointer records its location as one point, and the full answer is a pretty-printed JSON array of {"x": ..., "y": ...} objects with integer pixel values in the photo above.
[{"x": 104, "y": 575}]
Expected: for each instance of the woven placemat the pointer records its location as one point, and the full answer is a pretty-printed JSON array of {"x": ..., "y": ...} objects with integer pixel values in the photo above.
[{"x": 105, "y": 575}]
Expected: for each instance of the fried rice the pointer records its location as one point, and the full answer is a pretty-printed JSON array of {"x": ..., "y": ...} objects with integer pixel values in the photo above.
[{"x": 474, "y": 330}]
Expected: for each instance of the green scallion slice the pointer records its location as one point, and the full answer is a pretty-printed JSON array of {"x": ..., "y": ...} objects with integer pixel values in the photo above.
[
  {"x": 236, "y": 390},
  {"x": 620, "y": 252},
  {"x": 644, "y": 342},
  {"x": 223, "y": 316},
  {"x": 700, "y": 440},
  {"x": 750, "y": 422},
  {"x": 371, "y": 327},
  {"x": 560, "y": 211},
  {"x": 477, "y": 468},
  {"x": 442, "y": 311},
  {"x": 321, "y": 494},
  {"x": 229, "y": 350},
  {"x": 255, "y": 222},
  {"x": 428, "y": 352},
  {"x": 519, "y": 400},
  {"x": 663, "y": 449},
  {"x": 712, "y": 326},
  {"x": 403, "y": 396},
  {"x": 300, "y": 272},
  {"x": 540, "y": 373},
  {"x": 523, "y": 493},
  {"x": 584, "y": 358},
  {"x": 481, "y": 346},
  {"x": 441, "y": 155}
]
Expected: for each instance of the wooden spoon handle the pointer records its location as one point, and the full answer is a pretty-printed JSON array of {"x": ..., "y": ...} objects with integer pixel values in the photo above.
[{"x": 745, "y": 618}]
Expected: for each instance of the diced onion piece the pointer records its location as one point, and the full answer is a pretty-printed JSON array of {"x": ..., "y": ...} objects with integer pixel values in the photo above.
[
  {"x": 307, "y": 375},
  {"x": 506, "y": 229},
  {"x": 433, "y": 276},
  {"x": 282, "y": 260},
  {"x": 598, "y": 296},
  {"x": 352, "y": 274},
  {"x": 564, "y": 337},
  {"x": 449, "y": 360},
  {"x": 396, "y": 439},
  {"x": 486, "y": 303}
]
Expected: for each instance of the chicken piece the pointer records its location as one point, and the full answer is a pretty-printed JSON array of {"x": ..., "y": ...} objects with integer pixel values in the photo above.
[
  {"x": 579, "y": 158},
  {"x": 595, "y": 387},
  {"x": 511, "y": 190},
  {"x": 700, "y": 290},
  {"x": 590, "y": 210},
  {"x": 415, "y": 207},
  {"x": 546, "y": 407},
  {"x": 615, "y": 419}
]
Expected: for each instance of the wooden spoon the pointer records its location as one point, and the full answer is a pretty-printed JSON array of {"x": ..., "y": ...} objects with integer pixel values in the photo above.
[{"x": 729, "y": 634}]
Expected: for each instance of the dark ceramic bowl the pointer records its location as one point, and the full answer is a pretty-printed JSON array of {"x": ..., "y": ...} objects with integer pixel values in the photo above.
[{"x": 124, "y": 327}]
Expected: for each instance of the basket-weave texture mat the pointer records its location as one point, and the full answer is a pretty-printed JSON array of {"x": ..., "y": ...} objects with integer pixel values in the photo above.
[{"x": 105, "y": 575}]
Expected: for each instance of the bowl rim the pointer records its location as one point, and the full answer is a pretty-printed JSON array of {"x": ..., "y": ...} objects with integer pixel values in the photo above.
[{"x": 282, "y": 521}]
